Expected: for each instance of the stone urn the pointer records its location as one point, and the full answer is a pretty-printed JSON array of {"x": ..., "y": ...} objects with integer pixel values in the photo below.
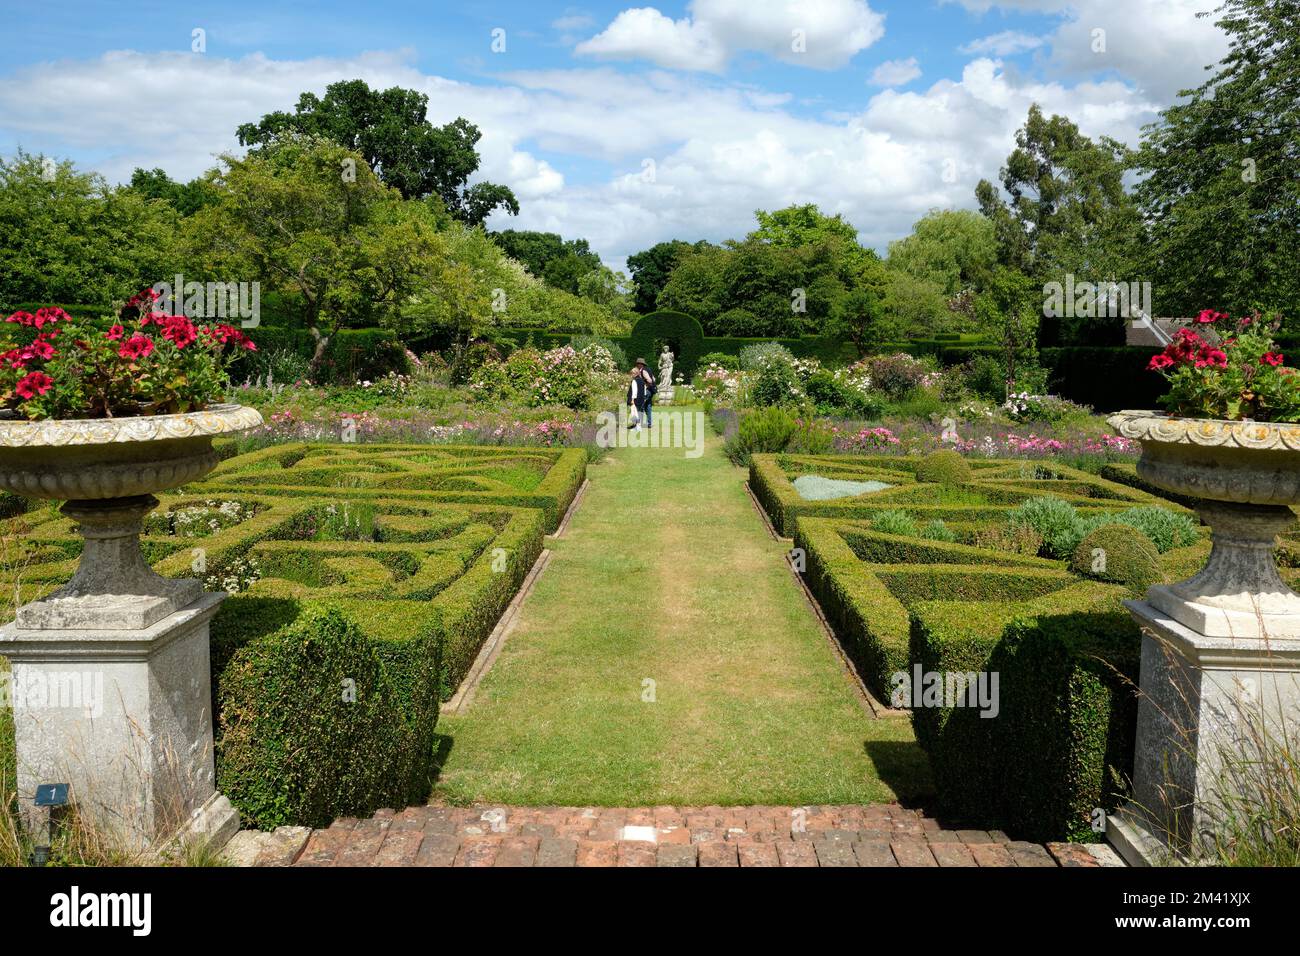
[
  {"x": 1220, "y": 664},
  {"x": 112, "y": 689},
  {"x": 106, "y": 471},
  {"x": 1245, "y": 476}
]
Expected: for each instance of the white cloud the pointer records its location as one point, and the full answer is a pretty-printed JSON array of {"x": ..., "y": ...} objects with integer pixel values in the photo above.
[
  {"x": 644, "y": 33},
  {"x": 1160, "y": 45},
  {"x": 896, "y": 72},
  {"x": 822, "y": 34},
  {"x": 1006, "y": 43},
  {"x": 719, "y": 150}
]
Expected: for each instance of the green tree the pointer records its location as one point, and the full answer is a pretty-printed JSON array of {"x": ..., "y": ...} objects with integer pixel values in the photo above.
[
  {"x": 953, "y": 249},
  {"x": 1008, "y": 311},
  {"x": 796, "y": 226},
  {"x": 68, "y": 237},
  {"x": 391, "y": 131},
  {"x": 695, "y": 285},
  {"x": 650, "y": 269},
  {"x": 349, "y": 247},
  {"x": 1222, "y": 173},
  {"x": 1068, "y": 209},
  {"x": 185, "y": 198},
  {"x": 537, "y": 250},
  {"x": 566, "y": 271},
  {"x": 861, "y": 317}
]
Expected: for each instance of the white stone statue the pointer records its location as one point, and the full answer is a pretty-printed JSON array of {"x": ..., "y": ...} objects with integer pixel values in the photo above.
[{"x": 666, "y": 375}]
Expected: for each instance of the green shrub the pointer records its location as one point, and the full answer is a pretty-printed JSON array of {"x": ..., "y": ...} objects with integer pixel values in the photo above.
[
  {"x": 812, "y": 437},
  {"x": 678, "y": 330},
  {"x": 1118, "y": 553},
  {"x": 755, "y": 357},
  {"x": 722, "y": 360},
  {"x": 764, "y": 430},
  {"x": 1009, "y": 539},
  {"x": 318, "y": 721},
  {"x": 893, "y": 521},
  {"x": 1165, "y": 529},
  {"x": 580, "y": 342},
  {"x": 1056, "y": 522},
  {"x": 936, "y": 530},
  {"x": 1061, "y": 745},
  {"x": 946, "y": 467}
]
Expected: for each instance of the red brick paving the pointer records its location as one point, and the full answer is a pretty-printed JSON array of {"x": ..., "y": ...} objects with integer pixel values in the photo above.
[{"x": 483, "y": 836}]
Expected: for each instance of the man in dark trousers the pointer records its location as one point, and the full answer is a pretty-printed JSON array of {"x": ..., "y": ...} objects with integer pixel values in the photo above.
[{"x": 648, "y": 382}]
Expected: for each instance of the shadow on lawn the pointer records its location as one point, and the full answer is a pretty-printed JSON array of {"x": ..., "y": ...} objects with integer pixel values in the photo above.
[{"x": 903, "y": 767}]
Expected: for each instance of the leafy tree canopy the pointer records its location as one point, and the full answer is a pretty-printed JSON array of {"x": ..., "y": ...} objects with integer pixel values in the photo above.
[
  {"x": 651, "y": 268},
  {"x": 349, "y": 247},
  {"x": 185, "y": 198},
  {"x": 1068, "y": 209},
  {"x": 953, "y": 249},
  {"x": 537, "y": 250},
  {"x": 68, "y": 237},
  {"x": 1221, "y": 184},
  {"x": 389, "y": 129}
]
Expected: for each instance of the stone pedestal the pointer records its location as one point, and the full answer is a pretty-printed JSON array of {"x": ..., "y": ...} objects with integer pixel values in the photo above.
[
  {"x": 124, "y": 716},
  {"x": 1203, "y": 698}
]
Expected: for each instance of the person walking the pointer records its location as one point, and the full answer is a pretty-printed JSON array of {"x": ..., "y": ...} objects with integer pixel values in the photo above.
[
  {"x": 636, "y": 398},
  {"x": 651, "y": 387}
]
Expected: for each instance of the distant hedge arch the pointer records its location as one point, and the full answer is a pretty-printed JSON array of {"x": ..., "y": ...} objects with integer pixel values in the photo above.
[{"x": 684, "y": 335}]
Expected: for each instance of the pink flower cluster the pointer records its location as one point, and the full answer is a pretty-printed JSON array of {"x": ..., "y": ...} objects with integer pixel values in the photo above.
[{"x": 867, "y": 438}]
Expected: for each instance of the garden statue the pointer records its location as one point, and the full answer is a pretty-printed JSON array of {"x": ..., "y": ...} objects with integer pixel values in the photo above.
[{"x": 666, "y": 375}]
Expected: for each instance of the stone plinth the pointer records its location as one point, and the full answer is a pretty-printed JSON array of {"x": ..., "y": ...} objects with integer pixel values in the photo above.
[
  {"x": 125, "y": 717},
  {"x": 1203, "y": 699}
]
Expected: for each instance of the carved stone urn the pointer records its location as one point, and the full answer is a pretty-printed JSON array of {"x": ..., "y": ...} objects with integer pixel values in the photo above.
[
  {"x": 133, "y": 738},
  {"x": 1244, "y": 475},
  {"x": 1220, "y": 665}
]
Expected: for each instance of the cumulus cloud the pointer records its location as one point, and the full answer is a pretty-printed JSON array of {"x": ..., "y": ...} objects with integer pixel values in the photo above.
[
  {"x": 822, "y": 34},
  {"x": 661, "y": 153},
  {"x": 896, "y": 72},
  {"x": 1162, "y": 46}
]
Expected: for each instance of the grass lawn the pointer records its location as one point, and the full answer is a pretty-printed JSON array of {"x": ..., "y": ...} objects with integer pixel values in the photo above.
[{"x": 666, "y": 574}]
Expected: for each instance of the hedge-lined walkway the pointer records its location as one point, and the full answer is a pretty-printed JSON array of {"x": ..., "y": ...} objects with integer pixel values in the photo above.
[
  {"x": 667, "y": 657},
  {"x": 880, "y": 835}
]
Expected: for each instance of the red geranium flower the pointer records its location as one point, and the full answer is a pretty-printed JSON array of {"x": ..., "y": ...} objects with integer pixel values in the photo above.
[
  {"x": 1160, "y": 361},
  {"x": 228, "y": 333},
  {"x": 1212, "y": 358},
  {"x": 14, "y": 358},
  {"x": 1209, "y": 316},
  {"x": 137, "y": 346},
  {"x": 115, "y": 333},
  {"x": 41, "y": 348},
  {"x": 49, "y": 316},
  {"x": 179, "y": 330},
  {"x": 22, "y": 318},
  {"x": 1272, "y": 358},
  {"x": 33, "y": 384}
]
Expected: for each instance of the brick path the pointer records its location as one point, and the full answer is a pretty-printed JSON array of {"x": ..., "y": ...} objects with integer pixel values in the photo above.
[{"x": 881, "y": 835}]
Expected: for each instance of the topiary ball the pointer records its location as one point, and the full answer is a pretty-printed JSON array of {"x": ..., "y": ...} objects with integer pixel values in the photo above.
[
  {"x": 1120, "y": 554},
  {"x": 945, "y": 467}
]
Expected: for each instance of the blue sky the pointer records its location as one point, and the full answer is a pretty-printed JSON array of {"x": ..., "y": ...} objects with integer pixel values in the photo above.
[{"x": 889, "y": 109}]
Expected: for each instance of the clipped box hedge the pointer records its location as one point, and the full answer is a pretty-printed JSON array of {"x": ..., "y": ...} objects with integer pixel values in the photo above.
[
  {"x": 386, "y": 566},
  {"x": 543, "y": 478},
  {"x": 995, "y": 486},
  {"x": 1061, "y": 745},
  {"x": 1064, "y": 648}
]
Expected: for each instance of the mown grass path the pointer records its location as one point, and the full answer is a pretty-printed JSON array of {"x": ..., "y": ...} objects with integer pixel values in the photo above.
[{"x": 666, "y": 574}]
